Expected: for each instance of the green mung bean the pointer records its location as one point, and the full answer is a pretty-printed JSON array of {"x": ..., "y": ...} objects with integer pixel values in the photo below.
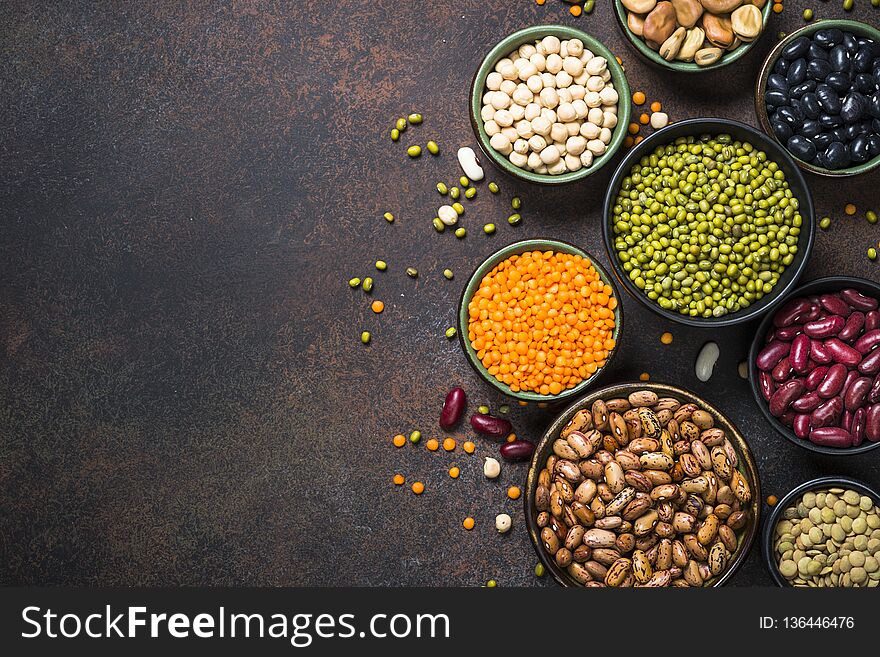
[
  {"x": 389, "y": 217},
  {"x": 516, "y": 203},
  {"x": 412, "y": 272},
  {"x": 458, "y": 207},
  {"x": 433, "y": 148},
  {"x": 366, "y": 337},
  {"x": 451, "y": 332},
  {"x": 442, "y": 188},
  {"x": 415, "y": 437},
  {"x": 400, "y": 125},
  {"x": 414, "y": 151},
  {"x": 464, "y": 182},
  {"x": 381, "y": 265},
  {"x": 848, "y": 5},
  {"x": 514, "y": 219},
  {"x": 493, "y": 187},
  {"x": 871, "y": 216},
  {"x": 439, "y": 226},
  {"x": 470, "y": 192},
  {"x": 489, "y": 229},
  {"x": 354, "y": 283},
  {"x": 483, "y": 409},
  {"x": 872, "y": 253},
  {"x": 460, "y": 232},
  {"x": 448, "y": 275},
  {"x": 824, "y": 223},
  {"x": 368, "y": 284},
  {"x": 395, "y": 134},
  {"x": 454, "y": 192},
  {"x": 415, "y": 118}
]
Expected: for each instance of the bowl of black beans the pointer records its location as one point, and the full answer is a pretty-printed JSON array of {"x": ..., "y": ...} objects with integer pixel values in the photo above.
[{"x": 818, "y": 95}]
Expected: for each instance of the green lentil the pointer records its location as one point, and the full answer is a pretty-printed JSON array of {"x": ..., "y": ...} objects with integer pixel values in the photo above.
[
  {"x": 442, "y": 188},
  {"x": 414, "y": 151},
  {"x": 872, "y": 253},
  {"x": 368, "y": 284},
  {"x": 414, "y": 118},
  {"x": 483, "y": 409},
  {"x": 381, "y": 265},
  {"x": 705, "y": 226},
  {"x": 824, "y": 223},
  {"x": 455, "y": 192},
  {"x": 448, "y": 275},
  {"x": 514, "y": 219},
  {"x": 460, "y": 232},
  {"x": 366, "y": 337},
  {"x": 395, "y": 134},
  {"x": 516, "y": 203},
  {"x": 450, "y": 332},
  {"x": 871, "y": 216},
  {"x": 588, "y": 6},
  {"x": 470, "y": 192},
  {"x": 808, "y": 14},
  {"x": 459, "y": 208},
  {"x": 464, "y": 182},
  {"x": 412, "y": 272},
  {"x": 489, "y": 229},
  {"x": 848, "y": 5},
  {"x": 493, "y": 187},
  {"x": 539, "y": 570},
  {"x": 504, "y": 409},
  {"x": 389, "y": 217},
  {"x": 439, "y": 226},
  {"x": 354, "y": 283},
  {"x": 401, "y": 124},
  {"x": 433, "y": 148},
  {"x": 415, "y": 437}
]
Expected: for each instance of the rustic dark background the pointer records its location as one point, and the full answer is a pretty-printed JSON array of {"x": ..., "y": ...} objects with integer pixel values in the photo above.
[{"x": 186, "y": 188}]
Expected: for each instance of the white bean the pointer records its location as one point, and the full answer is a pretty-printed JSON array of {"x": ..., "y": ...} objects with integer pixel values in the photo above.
[
  {"x": 469, "y": 163},
  {"x": 706, "y": 360},
  {"x": 447, "y": 215}
]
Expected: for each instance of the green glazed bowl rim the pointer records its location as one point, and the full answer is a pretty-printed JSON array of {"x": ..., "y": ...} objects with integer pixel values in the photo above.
[
  {"x": 857, "y": 27},
  {"x": 538, "y": 244},
  {"x": 747, "y": 466},
  {"x": 685, "y": 67},
  {"x": 529, "y": 35}
]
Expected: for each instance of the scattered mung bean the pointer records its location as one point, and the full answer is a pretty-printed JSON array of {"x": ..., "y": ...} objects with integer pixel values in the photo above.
[
  {"x": 516, "y": 203},
  {"x": 442, "y": 188},
  {"x": 401, "y": 124},
  {"x": 412, "y": 272},
  {"x": 448, "y": 275},
  {"x": 368, "y": 284},
  {"x": 451, "y": 332},
  {"x": 354, "y": 282},
  {"x": 414, "y": 118},
  {"x": 381, "y": 265},
  {"x": 389, "y": 217},
  {"x": 514, "y": 219},
  {"x": 824, "y": 223},
  {"x": 395, "y": 134},
  {"x": 464, "y": 182},
  {"x": 439, "y": 226},
  {"x": 433, "y": 148},
  {"x": 493, "y": 187},
  {"x": 483, "y": 409},
  {"x": 470, "y": 192},
  {"x": 454, "y": 192},
  {"x": 415, "y": 437},
  {"x": 459, "y": 208},
  {"x": 414, "y": 151},
  {"x": 366, "y": 337},
  {"x": 489, "y": 229},
  {"x": 460, "y": 233}
]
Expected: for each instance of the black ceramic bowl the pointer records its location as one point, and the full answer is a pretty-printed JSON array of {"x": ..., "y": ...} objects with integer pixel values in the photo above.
[
  {"x": 740, "y": 131},
  {"x": 544, "y": 448},
  {"x": 776, "y": 515},
  {"x": 818, "y": 286}
]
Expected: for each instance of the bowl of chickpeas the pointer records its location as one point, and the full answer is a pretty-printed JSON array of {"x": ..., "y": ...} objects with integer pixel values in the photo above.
[
  {"x": 550, "y": 105},
  {"x": 540, "y": 320}
]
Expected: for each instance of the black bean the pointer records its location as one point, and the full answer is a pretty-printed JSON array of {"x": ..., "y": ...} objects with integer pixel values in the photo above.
[
  {"x": 862, "y": 60},
  {"x": 865, "y": 83},
  {"x": 830, "y": 120},
  {"x": 776, "y": 98},
  {"x": 840, "y": 82},
  {"x": 781, "y": 66},
  {"x": 836, "y": 155},
  {"x": 828, "y": 38},
  {"x": 796, "y": 49},
  {"x": 859, "y": 149},
  {"x": 828, "y": 99},
  {"x": 777, "y": 82},
  {"x": 852, "y": 131},
  {"x": 822, "y": 140},
  {"x": 787, "y": 115},
  {"x": 810, "y": 106},
  {"x": 797, "y": 72},
  {"x": 839, "y": 58},
  {"x": 850, "y": 43},
  {"x": 800, "y": 89},
  {"x": 801, "y": 147},
  {"x": 874, "y": 144},
  {"x": 873, "y": 108},
  {"x": 817, "y": 52},
  {"x": 810, "y": 128},
  {"x": 781, "y": 129},
  {"x": 818, "y": 69},
  {"x": 853, "y": 107}
]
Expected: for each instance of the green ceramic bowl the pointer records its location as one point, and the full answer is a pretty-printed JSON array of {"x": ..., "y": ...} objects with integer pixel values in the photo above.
[
  {"x": 530, "y": 35},
  {"x": 684, "y": 67},
  {"x": 474, "y": 283},
  {"x": 857, "y": 28}
]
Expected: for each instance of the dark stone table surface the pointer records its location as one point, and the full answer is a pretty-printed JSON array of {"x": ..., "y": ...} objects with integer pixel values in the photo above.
[{"x": 187, "y": 188}]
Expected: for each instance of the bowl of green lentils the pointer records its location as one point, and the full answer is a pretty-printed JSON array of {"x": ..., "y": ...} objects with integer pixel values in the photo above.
[{"x": 708, "y": 222}]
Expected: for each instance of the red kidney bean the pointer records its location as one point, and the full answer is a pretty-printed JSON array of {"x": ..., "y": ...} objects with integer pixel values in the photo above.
[
  {"x": 853, "y": 327},
  {"x": 788, "y": 418},
  {"x": 867, "y": 342},
  {"x": 518, "y": 450},
  {"x": 851, "y": 376},
  {"x": 874, "y": 395},
  {"x": 828, "y": 414},
  {"x": 835, "y": 305},
  {"x": 819, "y": 352},
  {"x": 766, "y": 384},
  {"x": 872, "y": 423},
  {"x": 494, "y": 427},
  {"x": 833, "y": 382},
  {"x": 807, "y": 402},
  {"x": 788, "y": 333},
  {"x": 871, "y": 363},
  {"x": 782, "y": 371},
  {"x": 842, "y": 352},
  {"x": 846, "y": 420},
  {"x": 831, "y": 437},
  {"x": 825, "y": 327},
  {"x": 858, "y": 300},
  {"x": 772, "y": 354},
  {"x": 785, "y": 395},
  {"x": 801, "y": 425},
  {"x": 791, "y": 312},
  {"x": 814, "y": 378},
  {"x": 872, "y": 320},
  {"x": 858, "y": 426},
  {"x": 800, "y": 354},
  {"x": 452, "y": 409}
]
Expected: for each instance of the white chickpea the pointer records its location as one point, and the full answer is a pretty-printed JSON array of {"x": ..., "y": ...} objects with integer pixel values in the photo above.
[
  {"x": 534, "y": 160},
  {"x": 572, "y": 128},
  {"x": 500, "y": 100},
  {"x": 542, "y": 169},
  {"x": 608, "y": 96},
  {"x": 577, "y": 91},
  {"x": 501, "y": 63},
  {"x": 587, "y": 158},
  {"x": 527, "y": 70},
  {"x": 539, "y": 60},
  {"x": 590, "y": 131},
  {"x": 563, "y": 49},
  {"x": 586, "y": 55},
  {"x": 550, "y": 154},
  {"x": 595, "y": 66},
  {"x": 564, "y": 95},
  {"x": 595, "y": 83},
  {"x": 541, "y": 126},
  {"x": 508, "y": 71},
  {"x": 595, "y": 116},
  {"x": 605, "y": 136},
  {"x": 526, "y": 50},
  {"x": 573, "y": 66},
  {"x": 494, "y": 80},
  {"x": 537, "y": 143},
  {"x": 576, "y": 145},
  {"x": 550, "y": 44},
  {"x": 522, "y": 95},
  {"x": 517, "y": 112},
  {"x": 524, "y": 129},
  {"x": 557, "y": 168},
  {"x": 575, "y": 47},
  {"x": 503, "y": 118},
  {"x": 582, "y": 78},
  {"x": 548, "y": 80},
  {"x": 518, "y": 159},
  {"x": 558, "y": 132},
  {"x": 502, "y": 144},
  {"x": 492, "y": 128},
  {"x": 549, "y": 114},
  {"x": 554, "y": 64},
  {"x": 487, "y": 113},
  {"x": 521, "y": 146},
  {"x": 596, "y": 146},
  {"x": 510, "y": 133},
  {"x": 533, "y": 110},
  {"x": 610, "y": 108},
  {"x": 549, "y": 97},
  {"x": 580, "y": 108},
  {"x": 609, "y": 120},
  {"x": 563, "y": 80},
  {"x": 535, "y": 84},
  {"x": 560, "y": 148},
  {"x": 572, "y": 162},
  {"x": 592, "y": 99},
  {"x": 508, "y": 87},
  {"x": 566, "y": 112},
  {"x": 606, "y": 75},
  {"x": 487, "y": 97}
]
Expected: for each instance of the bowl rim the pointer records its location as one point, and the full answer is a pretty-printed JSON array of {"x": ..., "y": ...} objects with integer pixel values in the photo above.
[
  {"x": 808, "y": 228},
  {"x": 748, "y": 467},
  {"x": 805, "y": 289},
  {"x": 686, "y": 67},
  {"x": 502, "y": 49},
  {"x": 485, "y": 266},
  {"x": 764, "y": 74},
  {"x": 773, "y": 518}
]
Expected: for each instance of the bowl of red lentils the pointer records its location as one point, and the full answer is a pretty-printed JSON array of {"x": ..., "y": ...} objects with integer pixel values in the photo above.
[{"x": 540, "y": 320}]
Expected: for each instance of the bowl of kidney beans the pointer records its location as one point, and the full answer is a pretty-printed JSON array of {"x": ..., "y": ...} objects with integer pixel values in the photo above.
[
  {"x": 818, "y": 95},
  {"x": 814, "y": 366}
]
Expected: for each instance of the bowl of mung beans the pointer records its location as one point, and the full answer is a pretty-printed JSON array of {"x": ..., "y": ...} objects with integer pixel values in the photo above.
[
  {"x": 825, "y": 533},
  {"x": 540, "y": 320},
  {"x": 708, "y": 222},
  {"x": 642, "y": 485},
  {"x": 549, "y": 104}
]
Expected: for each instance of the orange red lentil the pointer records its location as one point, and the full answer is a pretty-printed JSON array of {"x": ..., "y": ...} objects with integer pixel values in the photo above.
[
  {"x": 449, "y": 444},
  {"x": 656, "y": 106},
  {"x": 399, "y": 440},
  {"x": 639, "y": 98},
  {"x": 575, "y": 10},
  {"x": 454, "y": 472},
  {"x": 469, "y": 447},
  {"x": 468, "y": 523},
  {"x": 513, "y": 492},
  {"x": 542, "y": 321},
  {"x": 398, "y": 480},
  {"x": 432, "y": 444},
  {"x": 377, "y": 306},
  {"x": 418, "y": 488}
]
